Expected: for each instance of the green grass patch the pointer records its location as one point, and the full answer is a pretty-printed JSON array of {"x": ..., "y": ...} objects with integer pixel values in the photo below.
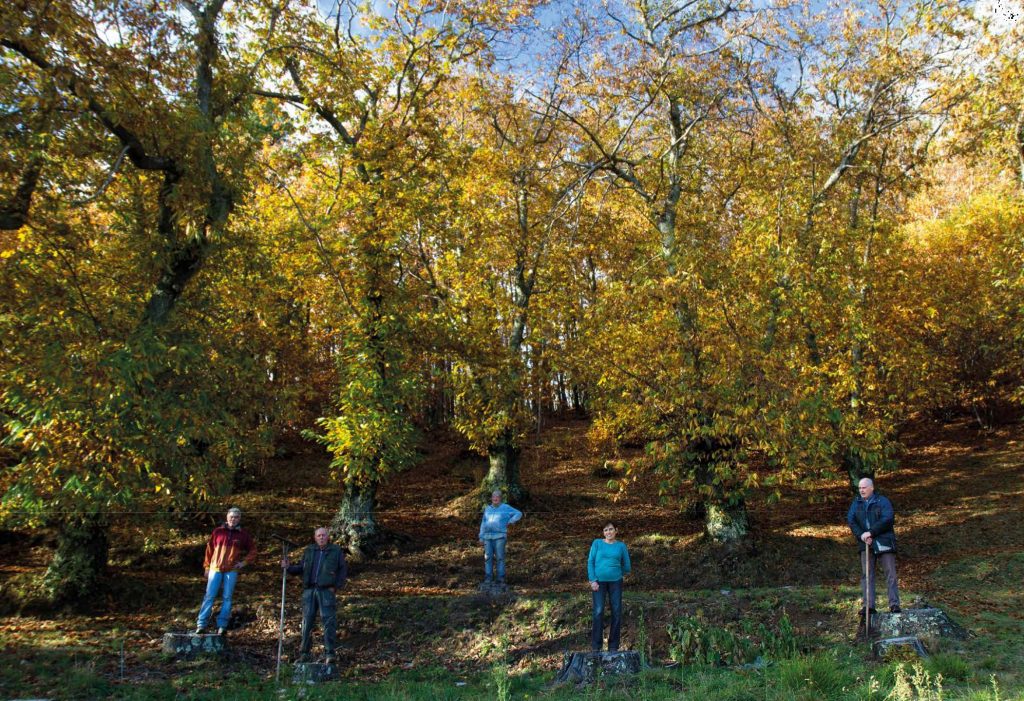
[{"x": 744, "y": 645}]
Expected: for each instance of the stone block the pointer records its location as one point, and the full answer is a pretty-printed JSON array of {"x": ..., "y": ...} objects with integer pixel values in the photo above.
[
  {"x": 886, "y": 647},
  {"x": 928, "y": 624},
  {"x": 314, "y": 672},
  {"x": 190, "y": 644},
  {"x": 493, "y": 588}
]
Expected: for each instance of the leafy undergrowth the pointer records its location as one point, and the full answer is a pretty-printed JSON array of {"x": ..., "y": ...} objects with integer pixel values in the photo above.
[{"x": 412, "y": 625}]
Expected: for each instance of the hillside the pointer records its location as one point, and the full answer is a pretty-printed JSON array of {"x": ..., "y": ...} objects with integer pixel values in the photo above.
[{"x": 957, "y": 493}]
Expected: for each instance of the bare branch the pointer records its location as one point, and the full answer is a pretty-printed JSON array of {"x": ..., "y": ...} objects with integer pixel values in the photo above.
[{"x": 106, "y": 183}]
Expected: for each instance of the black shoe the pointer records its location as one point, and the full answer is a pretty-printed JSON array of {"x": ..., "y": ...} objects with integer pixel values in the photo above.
[
  {"x": 861, "y": 612},
  {"x": 329, "y": 658},
  {"x": 222, "y": 631},
  {"x": 895, "y": 609},
  {"x": 200, "y": 630}
]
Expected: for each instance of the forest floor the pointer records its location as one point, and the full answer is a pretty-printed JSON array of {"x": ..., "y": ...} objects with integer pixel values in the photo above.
[{"x": 958, "y": 494}]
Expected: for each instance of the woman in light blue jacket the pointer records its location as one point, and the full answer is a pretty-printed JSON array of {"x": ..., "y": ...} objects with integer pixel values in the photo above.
[{"x": 607, "y": 565}]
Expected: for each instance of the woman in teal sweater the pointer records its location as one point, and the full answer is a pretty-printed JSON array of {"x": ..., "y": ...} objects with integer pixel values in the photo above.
[{"x": 607, "y": 564}]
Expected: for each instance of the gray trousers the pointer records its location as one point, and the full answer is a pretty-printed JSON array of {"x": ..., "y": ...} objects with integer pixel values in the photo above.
[
  {"x": 324, "y": 601},
  {"x": 888, "y": 562}
]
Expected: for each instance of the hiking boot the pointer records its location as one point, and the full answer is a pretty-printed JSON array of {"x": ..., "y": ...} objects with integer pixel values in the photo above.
[
  {"x": 861, "y": 613},
  {"x": 222, "y": 631},
  {"x": 200, "y": 630},
  {"x": 895, "y": 609},
  {"x": 329, "y": 658}
]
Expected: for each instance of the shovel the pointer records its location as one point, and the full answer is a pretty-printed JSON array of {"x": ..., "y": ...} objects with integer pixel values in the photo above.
[{"x": 867, "y": 588}]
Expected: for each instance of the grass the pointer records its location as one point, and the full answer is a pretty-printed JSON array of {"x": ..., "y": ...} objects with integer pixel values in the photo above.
[
  {"x": 818, "y": 677},
  {"x": 514, "y": 657}
]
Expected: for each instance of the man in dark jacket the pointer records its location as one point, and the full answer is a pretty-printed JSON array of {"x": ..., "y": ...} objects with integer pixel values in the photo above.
[
  {"x": 871, "y": 518},
  {"x": 323, "y": 571}
]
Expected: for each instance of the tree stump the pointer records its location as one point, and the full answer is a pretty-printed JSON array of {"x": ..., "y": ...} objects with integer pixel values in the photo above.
[
  {"x": 582, "y": 668},
  {"x": 885, "y": 648},
  {"x": 314, "y": 672},
  {"x": 189, "y": 644}
]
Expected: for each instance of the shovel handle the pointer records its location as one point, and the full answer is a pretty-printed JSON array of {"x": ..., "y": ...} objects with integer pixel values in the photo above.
[{"x": 867, "y": 587}]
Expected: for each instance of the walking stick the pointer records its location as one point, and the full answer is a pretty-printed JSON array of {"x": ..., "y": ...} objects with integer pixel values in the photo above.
[
  {"x": 867, "y": 587},
  {"x": 286, "y": 545}
]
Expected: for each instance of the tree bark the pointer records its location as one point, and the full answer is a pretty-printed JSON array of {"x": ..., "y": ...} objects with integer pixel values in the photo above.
[
  {"x": 1019, "y": 134},
  {"x": 355, "y": 524},
  {"x": 855, "y": 468},
  {"x": 725, "y": 509},
  {"x": 78, "y": 564},
  {"x": 503, "y": 470},
  {"x": 726, "y": 522},
  {"x": 14, "y": 213}
]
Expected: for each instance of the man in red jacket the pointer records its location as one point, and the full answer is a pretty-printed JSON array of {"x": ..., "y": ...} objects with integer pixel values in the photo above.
[{"x": 229, "y": 549}]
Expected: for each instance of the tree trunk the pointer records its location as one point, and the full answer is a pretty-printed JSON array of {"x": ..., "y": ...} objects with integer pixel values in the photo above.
[
  {"x": 355, "y": 524},
  {"x": 74, "y": 573},
  {"x": 854, "y": 465},
  {"x": 1020, "y": 147},
  {"x": 726, "y": 522},
  {"x": 563, "y": 395},
  {"x": 579, "y": 400},
  {"x": 503, "y": 471},
  {"x": 725, "y": 509}
]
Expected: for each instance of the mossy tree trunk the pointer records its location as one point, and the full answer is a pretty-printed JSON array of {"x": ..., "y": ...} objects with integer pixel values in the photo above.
[
  {"x": 855, "y": 467},
  {"x": 725, "y": 509},
  {"x": 726, "y": 522},
  {"x": 80, "y": 560},
  {"x": 503, "y": 471},
  {"x": 355, "y": 524}
]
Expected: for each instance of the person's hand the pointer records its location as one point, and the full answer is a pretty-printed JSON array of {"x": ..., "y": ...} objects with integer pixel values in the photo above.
[
  {"x": 481, "y": 541},
  {"x": 594, "y": 586},
  {"x": 206, "y": 573},
  {"x": 239, "y": 566},
  {"x": 866, "y": 537},
  {"x": 285, "y": 562}
]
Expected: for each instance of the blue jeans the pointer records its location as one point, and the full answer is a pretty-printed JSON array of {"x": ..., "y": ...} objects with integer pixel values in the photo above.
[
  {"x": 213, "y": 584},
  {"x": 494, "y": 552},
  {"x": 614, "y": 592}
]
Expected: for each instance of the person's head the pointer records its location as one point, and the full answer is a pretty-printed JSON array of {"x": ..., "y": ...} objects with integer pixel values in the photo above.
[
  {"x": 234, "y": 517},
  {"x": 322, "y": 536},
  {"x": 866, "y": 487},
  {"x": 609, "y": 531},
  {"x": 495, "y": 497}
]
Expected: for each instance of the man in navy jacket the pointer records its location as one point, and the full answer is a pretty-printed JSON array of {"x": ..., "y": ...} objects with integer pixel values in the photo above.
[{"x": 871, "y": 518}]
